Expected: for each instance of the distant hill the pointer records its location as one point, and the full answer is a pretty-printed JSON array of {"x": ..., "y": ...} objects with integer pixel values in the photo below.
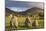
[{"x": 31, "y": 11}]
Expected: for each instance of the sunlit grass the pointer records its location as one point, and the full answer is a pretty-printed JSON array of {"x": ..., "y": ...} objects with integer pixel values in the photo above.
[{"x": 21, "y": 21}]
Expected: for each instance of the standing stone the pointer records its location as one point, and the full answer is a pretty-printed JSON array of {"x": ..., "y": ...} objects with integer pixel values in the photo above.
[
  {"x": 16, "y": 21},
  {"x": 27, "y": 22}
]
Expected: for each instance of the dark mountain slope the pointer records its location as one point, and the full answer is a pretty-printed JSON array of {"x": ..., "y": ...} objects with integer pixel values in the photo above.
[{"x": 31, "y": 11}]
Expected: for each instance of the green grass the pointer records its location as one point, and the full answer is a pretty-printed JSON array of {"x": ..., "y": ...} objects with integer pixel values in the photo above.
[{"x": 21, "y": 20}]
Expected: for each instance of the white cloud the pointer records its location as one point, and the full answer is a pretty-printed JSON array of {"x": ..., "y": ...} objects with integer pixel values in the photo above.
[
  {"x": 17, "y": 9},
  {"x": 19, "y": 0},
  {"x": 29, "y": 0},
  {"x": 37, "y": 4},
  {"x": 19, "y": 5}
]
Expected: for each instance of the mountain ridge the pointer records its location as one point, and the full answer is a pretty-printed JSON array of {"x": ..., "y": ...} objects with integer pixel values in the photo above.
[{"x": 30, "y": 11}]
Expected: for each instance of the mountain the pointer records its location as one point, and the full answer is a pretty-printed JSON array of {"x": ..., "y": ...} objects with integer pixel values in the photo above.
[
  {"x": 8, "y": 11},
  {"x": 31, "y": 11}
]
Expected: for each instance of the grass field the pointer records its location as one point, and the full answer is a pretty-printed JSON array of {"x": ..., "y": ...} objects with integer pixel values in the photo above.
[{"x": 21, "y": 21}]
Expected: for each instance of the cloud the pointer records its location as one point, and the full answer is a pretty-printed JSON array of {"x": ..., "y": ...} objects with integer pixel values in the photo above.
[
  {"x": 17, "y": 9},
  {"x": 22, "y": 5},
  {"x": 29, "y": 0},
  {"x": 19, "y": 0},
  {"x": 36, "y": 4}
]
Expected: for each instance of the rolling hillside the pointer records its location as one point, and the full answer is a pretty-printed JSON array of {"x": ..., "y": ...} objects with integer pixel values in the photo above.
[{"x": 32, "y": 11}]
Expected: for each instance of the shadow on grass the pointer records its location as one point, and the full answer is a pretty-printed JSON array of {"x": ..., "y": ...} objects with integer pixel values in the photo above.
[{"x": 7, "y": 28}]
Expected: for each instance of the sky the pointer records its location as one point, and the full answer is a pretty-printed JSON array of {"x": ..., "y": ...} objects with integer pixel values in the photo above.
[{"x": 19, "y": 6}]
